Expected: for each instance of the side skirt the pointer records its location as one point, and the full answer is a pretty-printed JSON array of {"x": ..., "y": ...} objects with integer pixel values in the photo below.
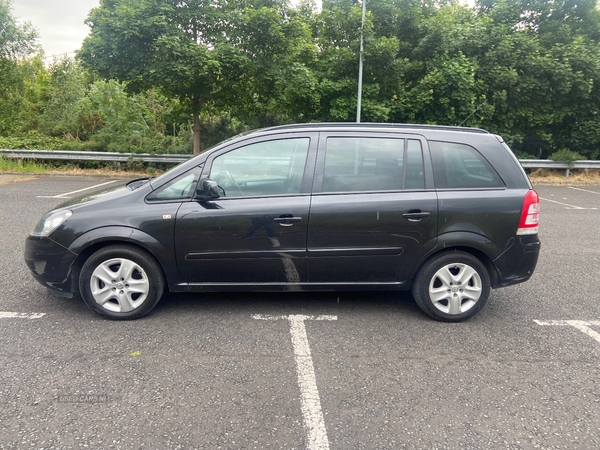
[{"x": 289, "y": 287}]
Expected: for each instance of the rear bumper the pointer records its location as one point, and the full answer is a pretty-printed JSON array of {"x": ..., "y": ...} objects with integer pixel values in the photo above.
[
  {"x": 517, "y": 264},
  {"x": 50, "y": 263}
]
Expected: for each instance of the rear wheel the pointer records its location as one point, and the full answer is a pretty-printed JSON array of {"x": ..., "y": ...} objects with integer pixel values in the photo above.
[
  {"x": 121, "y": 282},
  {"x": 452, "y": 286}
]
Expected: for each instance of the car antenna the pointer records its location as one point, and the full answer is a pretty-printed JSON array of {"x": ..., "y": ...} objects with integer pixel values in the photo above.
[{"x": 476, "y": 109}]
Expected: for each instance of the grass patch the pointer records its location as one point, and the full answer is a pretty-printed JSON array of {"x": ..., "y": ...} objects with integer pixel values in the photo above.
[
  {"x": 557, "y": 177},
  {"x": 129, "y": 169},
  {"x": 21, "y": 166}
]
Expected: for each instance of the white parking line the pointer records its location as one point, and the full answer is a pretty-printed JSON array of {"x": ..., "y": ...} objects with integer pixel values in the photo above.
[
  {"x": 581, "y": 325},
  {"x": 15, "y": 315},
  {"x": 565, "y": 204},
  {"x": 310, "y": 402},
  {"x": 584, "y": 190},
  {"x": 77, "y": 191}
]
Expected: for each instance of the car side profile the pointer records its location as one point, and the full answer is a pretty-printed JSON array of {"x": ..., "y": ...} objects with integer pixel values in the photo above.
[{"x": 446, "y": 212}]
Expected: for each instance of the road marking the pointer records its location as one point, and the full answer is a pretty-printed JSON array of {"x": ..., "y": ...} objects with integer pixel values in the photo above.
[
  {"x": 310, "y": 402},
  {"x": 15, "y": 315},
  {"x": 77, "y": 191},
  {"x": 566, "y": 204},
  {"x": 581, "y": 325},
  {"x": 584, "y": 190}
]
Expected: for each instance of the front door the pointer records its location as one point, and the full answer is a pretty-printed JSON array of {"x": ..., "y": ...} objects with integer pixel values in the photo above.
[{"x": 255, "y": 233}]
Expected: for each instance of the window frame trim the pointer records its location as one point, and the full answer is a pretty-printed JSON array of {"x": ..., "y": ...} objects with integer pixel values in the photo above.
[
  {"x": 309, "y": 167},
  {"x": 321, "y": 154},
  {"x": 199, "y": 168}
]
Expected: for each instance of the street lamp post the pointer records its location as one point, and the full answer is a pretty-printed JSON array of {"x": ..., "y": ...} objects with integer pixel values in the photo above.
[{"x": 360, "y": 63}]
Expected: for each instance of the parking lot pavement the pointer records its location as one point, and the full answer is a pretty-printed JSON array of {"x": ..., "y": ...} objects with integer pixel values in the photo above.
[
  {"x": 205, "y": 371},
  {"x": 571, "y": 197}
]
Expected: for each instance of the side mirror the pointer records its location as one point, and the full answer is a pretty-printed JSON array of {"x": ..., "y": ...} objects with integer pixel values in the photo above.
[{"x": 207, "y": 190}]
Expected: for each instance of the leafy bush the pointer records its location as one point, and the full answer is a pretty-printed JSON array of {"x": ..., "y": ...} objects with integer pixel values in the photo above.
[
  {"x": 34, "y": 140},
  {"x": 566, "y": 155}
]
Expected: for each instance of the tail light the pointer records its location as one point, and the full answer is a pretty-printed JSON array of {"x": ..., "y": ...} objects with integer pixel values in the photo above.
[{"x": 530, "y": 216}]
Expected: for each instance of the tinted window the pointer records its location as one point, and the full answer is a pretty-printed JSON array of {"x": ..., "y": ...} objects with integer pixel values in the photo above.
[
  {"x": 461, "y": 166},
  {"x": 372, "y": 164},
  {"x": 265, "y": 168},
  {"x": 181, "y": 188}
]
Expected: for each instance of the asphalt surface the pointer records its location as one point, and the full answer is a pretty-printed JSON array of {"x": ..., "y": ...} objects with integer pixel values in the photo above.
[{"x": 201, "y": 372}]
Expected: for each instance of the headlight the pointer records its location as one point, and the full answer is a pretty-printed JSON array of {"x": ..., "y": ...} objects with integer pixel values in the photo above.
[{"x": 51, "y": 222}]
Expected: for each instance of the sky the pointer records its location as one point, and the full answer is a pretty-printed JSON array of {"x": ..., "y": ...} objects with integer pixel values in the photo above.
[{"x": 59, "y": 22}]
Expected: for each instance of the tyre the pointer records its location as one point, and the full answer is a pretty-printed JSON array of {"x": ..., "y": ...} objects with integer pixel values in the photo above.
[
  {"x": 452, "y": 286},
  {"x": 121, "y": 282}
]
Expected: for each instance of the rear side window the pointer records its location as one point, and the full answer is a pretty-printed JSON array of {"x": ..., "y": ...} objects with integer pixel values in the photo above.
[
  {"x": 459, "y": 166},
  {"x": 372, "y": 164}
]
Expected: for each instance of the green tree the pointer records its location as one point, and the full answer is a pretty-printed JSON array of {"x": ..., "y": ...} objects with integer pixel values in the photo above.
[
  {"x": 155, "y": 43},
  {"x": 440, "y": 83},
  {"x": 272, "y": 82},
  {"x": 64, "y": 94},
  {"x": 541, "y": 69},
  {"x": 337, "y": 35},
  {"x": 17, "y": 41},
  {"x": 247, "y": 57},
  {"x": 414, "y": 69}
]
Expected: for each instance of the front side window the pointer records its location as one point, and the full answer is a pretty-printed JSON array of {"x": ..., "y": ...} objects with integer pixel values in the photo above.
[
  {"x": 459, "y": 166},
  {"x": 372, "y": 164},
  {"x": 264, "y": 168},
  {"x": 181, "y": 188}
]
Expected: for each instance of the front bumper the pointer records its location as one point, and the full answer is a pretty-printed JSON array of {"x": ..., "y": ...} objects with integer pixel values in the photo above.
[{"x": 50, "y": 263}]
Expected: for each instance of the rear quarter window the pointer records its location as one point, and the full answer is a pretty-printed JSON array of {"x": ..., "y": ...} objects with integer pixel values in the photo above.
[{"x": 460, "y": 166}]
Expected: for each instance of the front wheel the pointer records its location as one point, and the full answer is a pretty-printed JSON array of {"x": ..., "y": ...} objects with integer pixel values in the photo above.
[
  {"x": 452, "y": 287},
  {"x": 121, "y": 282}
]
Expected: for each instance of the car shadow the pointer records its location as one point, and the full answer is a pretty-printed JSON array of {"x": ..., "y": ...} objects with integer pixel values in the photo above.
[{"x": 286, "y": 303}]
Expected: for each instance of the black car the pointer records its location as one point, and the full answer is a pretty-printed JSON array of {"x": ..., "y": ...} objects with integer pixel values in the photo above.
[{"x": 445, "y": 211}]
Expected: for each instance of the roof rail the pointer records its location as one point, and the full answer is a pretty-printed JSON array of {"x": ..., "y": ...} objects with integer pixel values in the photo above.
[{"x": 377, "y": 125}]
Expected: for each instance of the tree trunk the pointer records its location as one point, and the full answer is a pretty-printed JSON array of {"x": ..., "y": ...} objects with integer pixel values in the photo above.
[{"x": 196, "y": 145}]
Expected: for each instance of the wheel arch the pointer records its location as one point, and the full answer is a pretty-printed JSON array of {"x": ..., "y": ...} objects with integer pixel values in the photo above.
[
  {"x": 89, "y": 243},
  {"x": 475, "y": 244}
]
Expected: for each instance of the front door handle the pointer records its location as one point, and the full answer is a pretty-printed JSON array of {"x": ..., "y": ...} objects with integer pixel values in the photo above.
[
  {"x": 287, "y": 220},
  {"x": 415, "y": 215}
]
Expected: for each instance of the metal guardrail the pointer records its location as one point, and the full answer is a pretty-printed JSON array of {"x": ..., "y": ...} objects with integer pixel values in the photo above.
[
  {"x": 549, "y": 164},
  {"x": 176, "y": 159},
  {"x": 92, "y": 156}
]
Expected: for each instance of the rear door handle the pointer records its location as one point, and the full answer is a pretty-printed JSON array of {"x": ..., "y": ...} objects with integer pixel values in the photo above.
[
  {"x": 416, "y": 215},
  {"x": 287, "y": 220}
]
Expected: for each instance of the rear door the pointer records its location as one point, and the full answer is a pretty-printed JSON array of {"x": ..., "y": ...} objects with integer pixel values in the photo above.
[{"x": 373, "y": 211}]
